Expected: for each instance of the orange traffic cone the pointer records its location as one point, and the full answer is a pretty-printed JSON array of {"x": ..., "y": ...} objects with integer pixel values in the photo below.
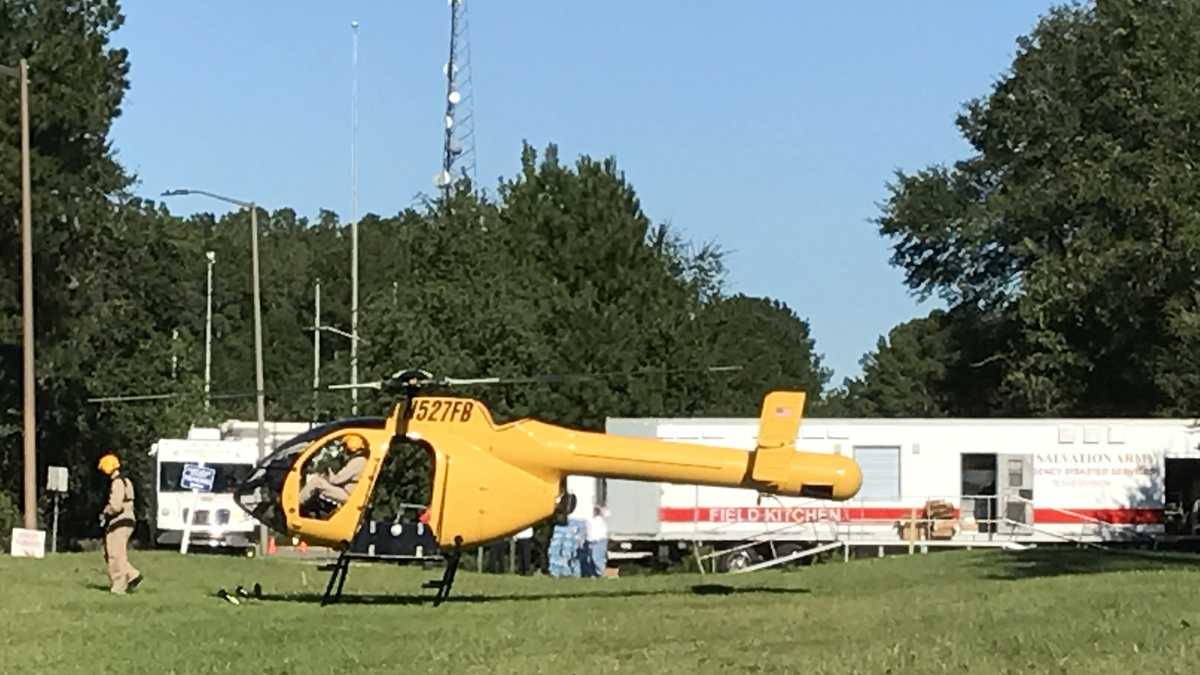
[{"x": 271, "y": 546}]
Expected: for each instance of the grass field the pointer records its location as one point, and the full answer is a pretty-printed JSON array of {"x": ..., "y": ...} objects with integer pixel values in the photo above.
[{"x": 964, "y": 612}]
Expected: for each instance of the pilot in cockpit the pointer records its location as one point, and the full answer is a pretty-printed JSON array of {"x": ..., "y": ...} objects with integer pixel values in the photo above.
[{"x": 336, "y": 486}]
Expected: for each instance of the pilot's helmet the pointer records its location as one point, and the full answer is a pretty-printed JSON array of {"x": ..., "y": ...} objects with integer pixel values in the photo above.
[{"x": 354, "y": 443}]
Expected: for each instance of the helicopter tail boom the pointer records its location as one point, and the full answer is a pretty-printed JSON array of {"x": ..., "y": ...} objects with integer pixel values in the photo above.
[{"x": 773, "y": 466}]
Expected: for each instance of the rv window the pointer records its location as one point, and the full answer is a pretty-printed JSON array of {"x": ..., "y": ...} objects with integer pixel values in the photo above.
[
  {"x": 881, "y": 473},
  {"x": 227, "y": 479},
  {"x": 1015, "y": 473}
]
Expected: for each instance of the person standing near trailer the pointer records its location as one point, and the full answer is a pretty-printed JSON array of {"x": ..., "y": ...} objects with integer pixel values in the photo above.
[
  {"x": 597, "y": 543},
  {"x": 524, "y": 540},
  {"x": 117, "y": 520}
]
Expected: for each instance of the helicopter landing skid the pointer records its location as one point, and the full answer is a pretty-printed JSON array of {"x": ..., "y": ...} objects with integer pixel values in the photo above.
[
  {"x": 447, "y": 581},
  {"x": 340, "y": 569}
]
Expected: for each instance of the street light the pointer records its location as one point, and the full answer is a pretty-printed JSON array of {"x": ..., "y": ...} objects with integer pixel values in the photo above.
[
  {"x": 258, "y": 357},
  {"x": 21, "y": 72},
  {"x": 339, "y": 331}
]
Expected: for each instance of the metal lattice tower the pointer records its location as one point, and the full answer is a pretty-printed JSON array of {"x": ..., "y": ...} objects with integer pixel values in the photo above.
[{"x": 458, "y": 151}]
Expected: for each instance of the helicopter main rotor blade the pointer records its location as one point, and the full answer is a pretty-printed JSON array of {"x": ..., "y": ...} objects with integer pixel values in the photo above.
[
  {"x": 577, "y": 377},
  {"x": 360, "y": 385},
  {"x": 138, "y": 397},
  {"x": 423, "y": 378}
]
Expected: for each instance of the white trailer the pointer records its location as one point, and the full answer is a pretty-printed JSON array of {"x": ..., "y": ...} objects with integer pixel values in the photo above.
[
  {"x": 926, "y": 482},
  {"x": 217, "y": 521}
]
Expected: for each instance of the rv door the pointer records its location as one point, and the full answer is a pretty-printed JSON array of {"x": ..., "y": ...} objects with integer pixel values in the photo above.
[{"x": 1014, "y": 482}]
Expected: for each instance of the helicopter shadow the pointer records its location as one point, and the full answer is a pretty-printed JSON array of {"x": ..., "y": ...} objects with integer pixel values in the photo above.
[
  {"x": 1062, "y": 562},
  {"x": 381, "y": 599}
]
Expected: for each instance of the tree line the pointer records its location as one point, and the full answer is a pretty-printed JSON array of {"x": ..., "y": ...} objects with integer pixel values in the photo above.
[{"x": 1063, "y": 247}]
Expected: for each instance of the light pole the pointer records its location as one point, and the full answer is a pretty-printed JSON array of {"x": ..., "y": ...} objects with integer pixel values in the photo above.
[
  {"x": 21, "y": 72},
  {"x": 211, "y": 256},
  {"x": 316, "y": 349},
  {"x": 258, "y": 357}
]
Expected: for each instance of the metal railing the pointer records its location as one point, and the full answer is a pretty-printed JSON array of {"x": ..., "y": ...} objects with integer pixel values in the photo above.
[{"x": 1124, "y": 528}]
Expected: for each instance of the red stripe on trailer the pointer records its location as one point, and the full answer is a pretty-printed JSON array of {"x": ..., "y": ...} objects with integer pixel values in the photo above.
[
  {"x": 1131, "y": 516},
  {"x": 783, "y": 514},
  {"x": 807, "y": 514}
]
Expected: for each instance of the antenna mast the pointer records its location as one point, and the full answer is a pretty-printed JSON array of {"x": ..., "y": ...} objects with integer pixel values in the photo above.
[
  {"x": 354, "y": 224},
  {"x": 458, "y": 151}
]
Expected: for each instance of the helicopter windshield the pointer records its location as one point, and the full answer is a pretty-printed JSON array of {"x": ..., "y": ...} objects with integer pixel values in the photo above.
[{"x": 259, "y": 495}]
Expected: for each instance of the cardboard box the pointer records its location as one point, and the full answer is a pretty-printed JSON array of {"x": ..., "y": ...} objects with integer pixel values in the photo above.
[
  {"x": 943, "y": 529},
  {"x": 937, "y": 509}
]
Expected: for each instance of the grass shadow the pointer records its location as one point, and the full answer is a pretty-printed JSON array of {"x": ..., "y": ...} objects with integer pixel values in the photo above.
[
  {"x": 1051, "y": 562},
  {"x": 380, "y": 599}
]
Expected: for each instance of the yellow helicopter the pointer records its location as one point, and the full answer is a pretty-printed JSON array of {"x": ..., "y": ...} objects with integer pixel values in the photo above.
[{"x": 490, "y": 481}]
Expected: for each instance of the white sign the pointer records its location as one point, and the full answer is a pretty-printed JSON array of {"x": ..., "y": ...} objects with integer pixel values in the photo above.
[
  {"x": 56, "y": 479},
  {"x": 1103, "y": 478},
  {"x": 28, "y": 543},
  {"x": 196, "y": 477}
]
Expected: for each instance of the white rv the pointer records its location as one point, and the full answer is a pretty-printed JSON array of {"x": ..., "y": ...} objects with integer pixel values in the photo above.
[
  {"x": 926, "y": 482},
  {"x": 217, "y": 521}
]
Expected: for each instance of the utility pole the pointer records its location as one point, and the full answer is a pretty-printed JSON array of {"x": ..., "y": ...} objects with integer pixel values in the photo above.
[
  {"x": 258, "y": 361},
  {"x": 30, "y": 423},
  {"x": 211, "y": 256},
  {"x": 28, "y": 407}
]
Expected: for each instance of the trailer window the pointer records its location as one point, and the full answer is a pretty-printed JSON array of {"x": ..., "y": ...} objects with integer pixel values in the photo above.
[
  {"x": 881, "y": 473},
  {"x": 227, "y": 479}
]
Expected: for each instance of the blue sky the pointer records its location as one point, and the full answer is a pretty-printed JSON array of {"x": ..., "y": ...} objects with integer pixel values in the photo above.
[{"x": 769, "y": 128}]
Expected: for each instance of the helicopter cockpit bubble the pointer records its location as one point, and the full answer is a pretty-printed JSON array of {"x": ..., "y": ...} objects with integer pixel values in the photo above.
[{"x": 262, "y": 494}]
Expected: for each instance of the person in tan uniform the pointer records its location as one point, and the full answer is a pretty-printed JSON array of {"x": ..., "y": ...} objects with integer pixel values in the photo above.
[
  {"x": 117, "y": 520},
  {"x": 337, "y": 487}
]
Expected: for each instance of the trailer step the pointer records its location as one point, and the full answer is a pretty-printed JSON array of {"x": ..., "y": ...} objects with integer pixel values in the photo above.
[{"x": 790, "y": 557}]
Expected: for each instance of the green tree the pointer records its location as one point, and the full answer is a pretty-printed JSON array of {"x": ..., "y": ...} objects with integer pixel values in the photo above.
[
  {"x": 109, "y": 270},
  {"x": 773, "y": 346},
  {"x": 1076, "y": 218},
  {"x": 940, "y": 365}
]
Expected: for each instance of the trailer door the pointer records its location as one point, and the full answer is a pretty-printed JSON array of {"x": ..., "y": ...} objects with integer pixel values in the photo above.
[
  {"x": 1014, "y": 478},
  {"x": 633, "y": 507}
]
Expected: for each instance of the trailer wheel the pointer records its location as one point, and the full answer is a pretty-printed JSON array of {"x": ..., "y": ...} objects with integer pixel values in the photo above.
[
  {"x": 790, "y": 548},
  {"x": 738, "y": 560}
]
